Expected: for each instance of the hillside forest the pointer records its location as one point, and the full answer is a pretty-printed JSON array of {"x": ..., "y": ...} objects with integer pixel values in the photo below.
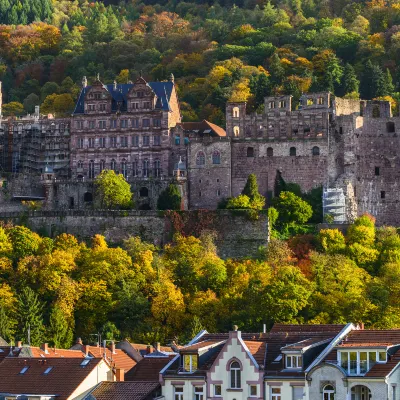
[{"x": 217, "y": 51}]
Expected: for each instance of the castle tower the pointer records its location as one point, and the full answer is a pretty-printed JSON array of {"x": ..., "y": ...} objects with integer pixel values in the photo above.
[{"x": 235, "y": 119}]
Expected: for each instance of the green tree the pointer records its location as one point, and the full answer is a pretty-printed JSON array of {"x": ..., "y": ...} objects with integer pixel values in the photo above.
[
  {"x": 59, "y": 333},
  {"x": 113, "y": 190},
  {"x": 350, "y": 83},
  {"x": 251, "y": 190},
  {"x": 7, "y": 325},
  {"x": 13, "y": 108},
  {"x": 30, "y": 326},
  {"x": 24, "y": 241},
  {"x": 30, "y": 102},
  {"x": 170, "y": 198}
]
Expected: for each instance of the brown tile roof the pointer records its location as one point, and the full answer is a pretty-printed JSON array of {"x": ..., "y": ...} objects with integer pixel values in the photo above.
[
  {"x": 307, "y": 328},
  {"x": 52, "y": 352},
  {"x": 148, "y": 369},
  {"x": 371, "y": 338},
  {"x": 203, "y": 126},
  {"x": 382, "y": 370},
  {"x": 124, "y": 390},
  {"x": 257, "y": 350},
  {"x": 66, "y": 375},
  {"x": 118, "y": 360},
  {"x": 307, "y": 342}
]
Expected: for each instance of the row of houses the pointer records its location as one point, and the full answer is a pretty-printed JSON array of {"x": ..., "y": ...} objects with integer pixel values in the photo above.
[{"x": 291, "y": 362}]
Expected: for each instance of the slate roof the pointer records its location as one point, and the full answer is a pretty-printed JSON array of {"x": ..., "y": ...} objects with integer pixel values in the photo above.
[
  {"x": 123, "y": 390},
  {"x": 199, "y": 345},
  {"x": 63, "y": 379},
  {"x": 163, "y": 91},
  {"x": 148, "y": 369}
]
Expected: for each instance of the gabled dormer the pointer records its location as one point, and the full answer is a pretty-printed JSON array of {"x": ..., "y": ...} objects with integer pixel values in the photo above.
[
  {"x": 141, "y": 97},
  {"x": 97, "y": 99}
]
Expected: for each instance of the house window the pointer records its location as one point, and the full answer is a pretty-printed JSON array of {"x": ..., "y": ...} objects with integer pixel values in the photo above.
[
  {"x": 113, "y": 165},
  {"x": 80, "y": 165},
  {"x": 282, "y": 104},
  {"x": 271, "y": 104},
  {"x": 310, "y": 102},
  {"x": 250, "y": 152},
  {"x": 124, "y": 168},
  {"x": 146, "y": 140},
  {"x": 276, "y": 393},
  {"x": 135, "y": 106},
  {"x": 102, "y": 124},
  {"x": 157, "y": 123},
  {"x": 91, "y": 107},
  {"x": 235, "y": 375},
  {"x": 315, "y": 151},
  {"x": 360, "y": 362},
  {"x": 102, "y": 142},
  {"x": 178, "y": 393},
  {"x": 135, "y": 141},
  {"x": 320, "y": 100},
  {"x": 62, "y": 128},
  {"x": 217, "y": 390},
  {"x": 293, "y": 361},
  {"x": 113, "y": 123},
  {"x": 146, "y": 105},
  {"x": 79, "y": 124},
  {"x": 124, "y": 123},
  {"x": 270, "y": 152},
  {"x": 113, "y": 142},
  {"x": 102, "y": 165},
  {"x": 253, "y": 390},
  {"x": 198, "y": 393},
  {"x": 91, "y": 142},
  {"x": 91, "y": 169},
  {"x": 124, "y": 141},
  {"x": 390, "y": 128},
  {"x": 23, "y": 370},
  {"x": 146, "y": 167},
  {"x": 216, "y": 157},
  {"x": 376, "y": 113},
  {"x": 103, "y": 107},
  {"x": 200, "y": 158},
  {"x": 81, "y": 142},
  {"x": 235, "y": 112},
  {"x": 146, "y": 123},
  {"x": 157, "y": 168},
  {"x": 135, "y": 123},
  {"x": 328, "y": 393},
  {"x": 157, "y": 140},
  {"x": 135, "y": 168},
  {"x": 190, "y": 362},
  {"x": 292, "y": 151},
  {"x": 298, "y": 393},
  {"x": 377, "y": 171},
  {"x": 92, "y": 124}
]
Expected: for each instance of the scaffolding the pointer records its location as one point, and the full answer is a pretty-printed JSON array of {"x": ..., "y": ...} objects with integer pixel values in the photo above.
[{"x": 334, "y": 205}]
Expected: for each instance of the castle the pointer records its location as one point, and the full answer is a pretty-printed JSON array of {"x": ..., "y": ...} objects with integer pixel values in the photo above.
[{"x": 347, "y": 146}]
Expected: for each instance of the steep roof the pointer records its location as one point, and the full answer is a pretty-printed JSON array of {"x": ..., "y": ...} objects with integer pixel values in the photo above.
[
  {"x": 371, "y": 338},
  {"x": 163, "y": 91},
  {"x": 203, "y": 127},
  {"x": 118, "y": 359},
  {"x": 148, "y": 369},
  {"x": 61, "y": 381},
  {"x": 123, "y": 390}
]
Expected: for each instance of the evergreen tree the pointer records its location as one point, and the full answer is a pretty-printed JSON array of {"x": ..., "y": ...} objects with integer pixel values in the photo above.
[
  {"x": 279, "y": 184},
  {"x": 257, "y": 201},
  {"x": 6, "y": 325},
  {"x": 262, "y": 89},
  {"x": 366, "y": 81},
  {"x": 378, "y": 82},
  {"x": 276, "y": 69},
  {"x": 170, "y": 198},
  {"x": 30, "y": 317},
  {"x": 350, "y": 83},
  {"x": 389, "y": 86},
  {"x": 59, "y": 332}
]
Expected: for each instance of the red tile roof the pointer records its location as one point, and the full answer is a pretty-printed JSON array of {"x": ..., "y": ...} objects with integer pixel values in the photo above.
[
  {"x": 203, "y": 126},
  {"x": 52, "y": 352},
  {"x": 257, "y": 350},
  {"x": 124, "y": 390},
  {"x": 307, "y": 328},
  {"x": 119, "y": 359},
  {"x": 382, "y": 370},
  {"x": 148, "y": 369},
  {"x": 63, "y": 379},
  {"x": 371, "y": 338}
]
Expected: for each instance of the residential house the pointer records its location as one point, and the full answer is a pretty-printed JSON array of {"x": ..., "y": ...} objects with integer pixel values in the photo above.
[{"x": 125, "y": 391}]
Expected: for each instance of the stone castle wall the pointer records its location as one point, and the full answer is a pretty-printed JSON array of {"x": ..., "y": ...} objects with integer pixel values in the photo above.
[{"x": 236, "y": 235}]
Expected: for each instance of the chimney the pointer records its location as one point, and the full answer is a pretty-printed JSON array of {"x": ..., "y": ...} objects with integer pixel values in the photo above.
[
  {"x": 79, "y": 341},
  {"x": 45, "y": 348},
  {"x": 149, "y": 349},
  {"x": 84, "y": 82},
  {"x": 113, "y": 347},
  {"x": 119, "y": 374},
  {"x": 158, "y": 346},
  {"x": 264, "y": 328},
  {"x": 86, "y": 349},
  {"x": 235, "y": 333},
  {"x": 115, "y": 85},
  {"x": 362, "y": 326},
  {"x": 19, "y": 344}
]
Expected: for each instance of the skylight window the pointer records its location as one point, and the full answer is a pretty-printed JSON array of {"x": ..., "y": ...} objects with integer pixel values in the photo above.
[
  {"x": 85, "y": 362},
  {"x": 23, "y": 370},
  {"x": 48, "y": 370},
  {"x": 279, "y": 358}
]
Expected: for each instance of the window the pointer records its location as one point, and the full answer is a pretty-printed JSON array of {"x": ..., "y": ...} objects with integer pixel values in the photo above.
[
  {"x": 360, "y": 362},
  {"x": 62, "y": 128},
  {"x": 102, "y": 124},
  {"x": 382, "y": 354},
  {"x": 190, "y": 362},
  {"x": 216, "y": 157},
  {"x": 85, "y": 362},
  {"x": 135, "y": 106},
  {"x": 376, "y": 113},
  {"x": 294, "y": 361},
  {"x": 250, "y": 152},
  {"x": 103, "y": 107},
  {"x": 146, "y": 123},
  {"x": 157, "y": 123},
  {"x": 157, "y": 168},
  {"x": 23, "y": 370},
  {"x": 102, "y": 142},
  {"x": 177, "y": 140},
  {"x": 124, "y": 168},
  {"x": 135, "y": 123},
  {"x": 157, "y": 140},
  {"x": 394, "y": 393},
  {"x": 217, "y": 390},
  {"x": 218, "y": 192},
  {"x": 81, "y": 143},
  {"x": 146, "y": 105},
  {"x": 113, "y": 142},
  {"x": 235, "y": 112},
  {"x": 144, "y": 192},
  {"x": 236, "y": 131},
  {"x": 235, "y": 375},
  {"x": 91, "y": 142},
  {"x": 390, "y": 127},
  {"x": 328, "y": 393},
  {"x": 198, "y": 393},
  {"x": 135, "y": 141},
  {"x": 91, "y": 169},
  {"x": 146, "y": 140},
  {"x": 270, "y": 152},
  {"x": 315, "y": 151},
  {"x": 79, "y": 124},
  {"x": 320, "y": 100},
  {"x": 310, "y": 102},
  {"x": 88, "y": 197},
  {"x": 140, "y": 94},
  {"x": 124, "y": 141},
  {"x": 97, "y": 96},
  {"x": 135, "y": 168},
  {"x": 276, "y": 393},
  {"x": 298, "y": 393},
  {"x": 200, "y": 158},
  {"x": 91, "y": 107},
  {"x": 377, "y": 171},
  {"x": 92, "y": 124},
  {"x": 47, "y": 370},
  {"x": 282, "y": 104},
  {"x": 292, "y": 151},
  {"x": 271, "y": 104},
  {"x": 113, "y": 165},
  {"x": 253, "y": 390},
  {"x": 146, "y": 167},
  {"x": 178, "y": 393},
  {"x": 124, "y": 123},
  {"x": 102, "y": 165},
  {"x": 113, "y": 123},
  {"x": 383, "y": 194}
]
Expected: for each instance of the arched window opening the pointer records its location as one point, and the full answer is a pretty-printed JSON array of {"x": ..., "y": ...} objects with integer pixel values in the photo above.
[
  {"x": 91, "y": 169},
  {"x": 315, "y": 151},
  {"x": 135, "y": 168},
  {"x": 328, "y": 393},
  {"x": 144, "y": 192},
  {"x": 102, "y": 165},
  {"x": 236, "y": 131},
  {"x": 113, "y": 165},
  {"x": 88, "y": 197},
  {"x": 124, "y": 168},
  {"x": 157, "y": 168},
  {"x": 250, "y": 152},
  {"x": 146, "y": 164},
  {"x": 390, "y": 127},
  {"x": 200, "y": 158},
  {"x": 80, "y": 165},
  {"x": 270, "y": 152},
  {"x": 216, "y": 157},
  {"x": 235, "y": 375},
  {"x": 360, "y": 392},
  {"x": 292, "y": 151},
  {"x": 235, "y": 112},
  {"x": 310, "y": 102},
  {"x": 376, "y": 113}
]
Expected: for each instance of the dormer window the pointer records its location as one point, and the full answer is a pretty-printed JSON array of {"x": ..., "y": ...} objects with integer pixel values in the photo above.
[
  {"x": 190, "y": 362},
  {"x": 294, "y": 361},
  {"x": 140, "y": 94},
  {"x": 360, "y": 362}
]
